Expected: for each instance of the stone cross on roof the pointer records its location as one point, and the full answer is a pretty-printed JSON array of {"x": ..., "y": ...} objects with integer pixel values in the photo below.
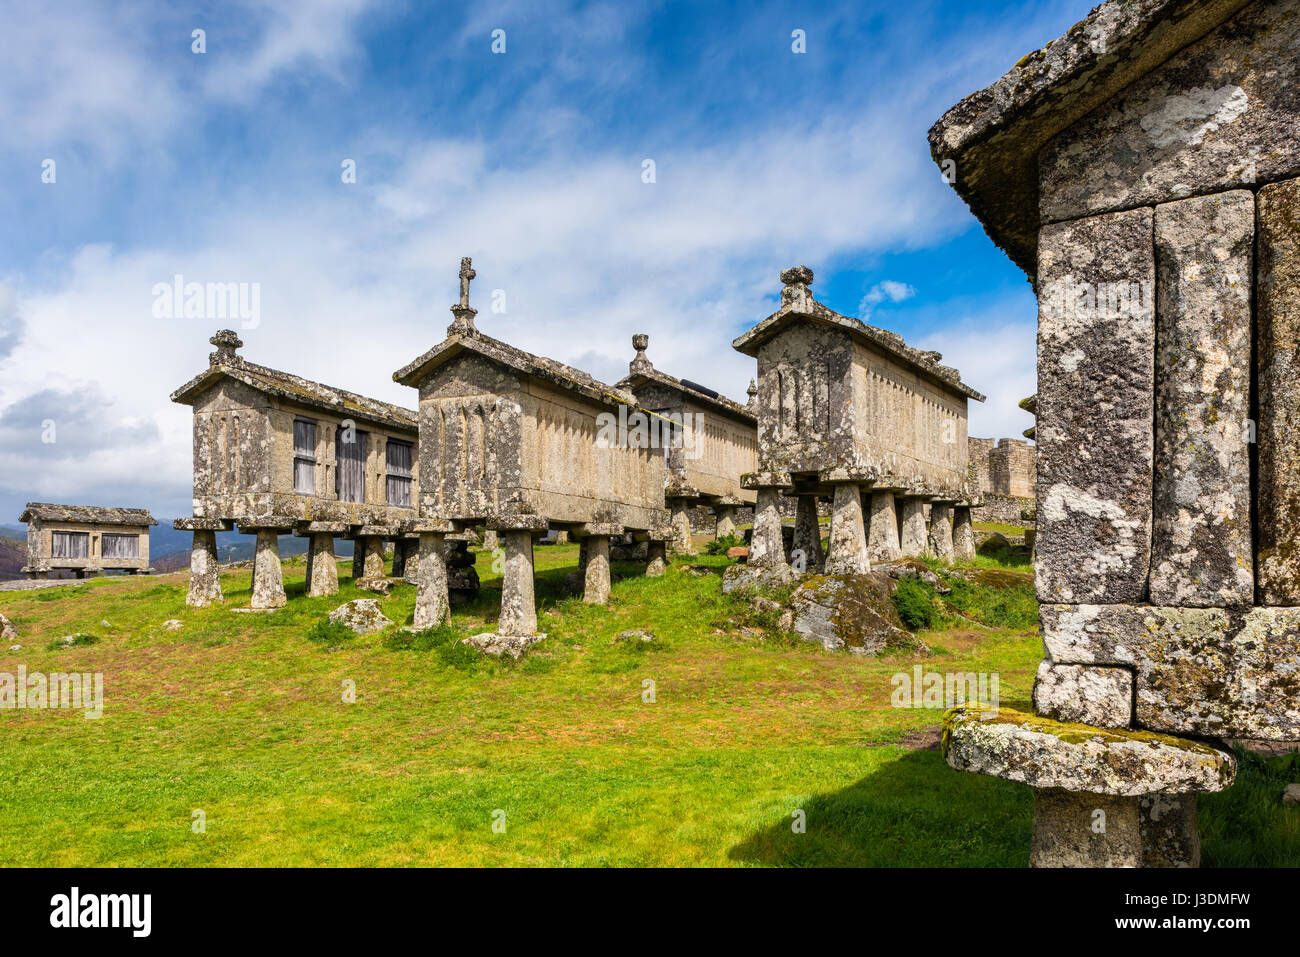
[
  {"x": 752, "y": 392},
  {"x": 464, "y": 313},
  {"x": 796, "y": 281},
  {"x": 226, "y": 341}
]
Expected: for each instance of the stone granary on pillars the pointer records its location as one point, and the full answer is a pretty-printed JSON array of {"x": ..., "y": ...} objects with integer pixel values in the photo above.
[
  {"x": 523, "y": 444},
  {"x": 275, "y": 453},
  {"x": 1143, "y": 171},
  {"x": 847, "y": 410},
  {"x": 708, "y": 442},
  {"x": 86, "y": 540}
]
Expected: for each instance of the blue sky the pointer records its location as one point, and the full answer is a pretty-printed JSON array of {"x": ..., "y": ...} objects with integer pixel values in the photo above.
[{"x": 225, "y": 167}]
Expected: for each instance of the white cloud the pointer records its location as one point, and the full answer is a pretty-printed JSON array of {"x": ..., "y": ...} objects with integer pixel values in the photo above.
[{"x": 886, "y": 290}]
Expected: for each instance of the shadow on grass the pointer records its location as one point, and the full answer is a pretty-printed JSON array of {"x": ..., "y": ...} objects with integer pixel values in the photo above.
[{"x": 912, "y": 812}]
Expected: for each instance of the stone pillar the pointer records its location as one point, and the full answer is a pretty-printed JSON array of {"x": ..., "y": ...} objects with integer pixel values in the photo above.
[
  {"x": 432, "y": 602},
  {"x": 963, "y": 534},
  {"x": 766, "y": 544},
  {"x": 322, "y": 572},
  {"x": 912, "y": 530},
  {"x": 725, "y": 526},
  {"x": 491, "y": 540},
  {"x": 939, "y": 544},
  {"x": 882, "y": 531},
  {"x": 1153, "y": 830},
  {"x": 268, "y": 578},
  {"x": 681, "y": 523},
  {"x": 596, "y": 575},
  {"x": 400, "y": 547},
  {"x": 412, "y": 571},
  {"x": 656, "y": 559},
  {"x": 358, "y": 557},
  {"x": 205, "y": 575},
  {"x": 808, "y": 535},
  {"x": 847, "y": 549},
  {"x": 518, "y": 606},
  {"x": 374, "y": 557}
]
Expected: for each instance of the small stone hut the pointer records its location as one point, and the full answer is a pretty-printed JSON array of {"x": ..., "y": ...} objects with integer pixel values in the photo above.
[
  {"x": 523, "y": 444},
  {"x": 846, "y": 410},
  {"x": 86, "y": 540},
  {"x": 708, "y": 442},
  {"x": 275, "y": 453},
  {"x": 1143, "y": 171}
]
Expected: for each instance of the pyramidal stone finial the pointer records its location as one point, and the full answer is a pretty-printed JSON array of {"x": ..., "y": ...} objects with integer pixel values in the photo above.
[
  {"x": 640, "y": 363},
  {"x": 752, "y": 391},
  {"x": 464, "y": 313}
]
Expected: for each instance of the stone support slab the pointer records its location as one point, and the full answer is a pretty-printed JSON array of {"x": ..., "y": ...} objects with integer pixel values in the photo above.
[
  {"x": 1278, "y": 363},
  {"x": 1084, "y": 694},
  {"x": 725, "y": 524},
  {"x": 373, "y": 557},
  {"x": 766, "y": 542},
  {"x": 322, "y": 571},
  {"x": 939, "y": 538},
  {"x": 518, "y": 606},
  {"x": 205, "y": 573},
  {"x": 1096, "y": 356},
  {"x": 882, "y": 529},
  {"x": 656, "y": 559},
  {"x": 846, "y": 552},
  {"x": 596, "y": 576},
  {"x": 268, "y": 577},
  {"x": 432, "y": 602},
  {"x": 680, "y": 519},
  {"x": 963, "y": 534},
  {"x": 807, "y": 556},
  {"x": 912, "y": 530},
  {"x": 1201, "y": 536}
]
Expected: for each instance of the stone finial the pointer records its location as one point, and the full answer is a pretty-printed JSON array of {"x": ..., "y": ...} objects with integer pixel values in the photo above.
[
  {"x": 752, "y": 391},
  {"x": 795, "y": 291},
  {"x": 226, "y": 341},
  {"x": 464, "y": 313},
  {"x": 640, "y": 363},
  {"x": 797, "y": 275}
]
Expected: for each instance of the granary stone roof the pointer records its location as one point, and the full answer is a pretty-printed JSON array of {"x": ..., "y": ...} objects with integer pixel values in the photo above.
[
  {"x": 468, "y": 339},
  {"x": 641, "y": 370},
  {"x": 45, "y": 512},
  {"x": 798, "y": 305},
  {"x": 226, "y": 362},
  {"x": 992, "y": 138}
]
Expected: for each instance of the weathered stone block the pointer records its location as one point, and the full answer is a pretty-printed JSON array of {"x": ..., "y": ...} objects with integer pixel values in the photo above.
[
  {"x": 1096, "y": 354},
  {"x": 1278, "y": 363},
  {"x": 1085, "y": 694},
  {"x": 1218, "y": 672},
  {"x": 1201, "y": 535},
  {"x": 1222, "y": 112},
  {"x": 849, "y": 612},
  {"x": 1074, "y": 829}
]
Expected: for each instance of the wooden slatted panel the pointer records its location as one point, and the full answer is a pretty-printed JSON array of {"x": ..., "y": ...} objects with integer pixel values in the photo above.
[
  {"x": 71, "y": 545},
  {"x": 121, "y": 546},
  {"x": 351, "y": 481},
  {"x": 399, "y": 473},
  {"x": 304, "y": 457}
]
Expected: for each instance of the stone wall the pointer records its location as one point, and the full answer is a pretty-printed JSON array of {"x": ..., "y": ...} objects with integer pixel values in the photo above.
[{"x": 1003, "y": 466}]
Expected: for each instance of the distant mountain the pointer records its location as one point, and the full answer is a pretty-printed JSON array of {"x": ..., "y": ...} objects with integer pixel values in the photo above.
[
  {"x": 169, "y": 550},
  {"x": 13, "y": 556}
]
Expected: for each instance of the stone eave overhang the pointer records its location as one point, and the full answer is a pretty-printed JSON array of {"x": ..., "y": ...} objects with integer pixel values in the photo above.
[
  {"x": 993, "y": 136},
  {"x": 301, "y": 391},
  {"x": 549, "y": 371},
  {"x": 728, "y": 406},
  {"x": 890, "y": 343}
]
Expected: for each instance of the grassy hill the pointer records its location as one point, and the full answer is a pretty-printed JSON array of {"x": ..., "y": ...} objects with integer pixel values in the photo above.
[{"x": 243, "y": 718}]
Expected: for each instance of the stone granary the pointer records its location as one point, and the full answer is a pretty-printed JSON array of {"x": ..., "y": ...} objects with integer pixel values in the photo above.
[
  {"x": 1143, "y": 170},
  {"x": 847, "y": 410},
  {"x": 275, "y": 453},
  {"x": 523, "y": 444},
  {"x": 86, "y": 540},
  {"x": 708, "y": 442}
]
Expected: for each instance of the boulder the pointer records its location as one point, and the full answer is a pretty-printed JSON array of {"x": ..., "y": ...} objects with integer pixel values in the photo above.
[
  {"x": 7, "y": 630},
  {"x": 851, "y": 612},
  {"x": 913, "y": 568},
  {"x": 490, "y": 643},
  {"x": 635, "y": 634},
  {"x": 738, "y": 551},
  {"x": 172, "y": 624},
  {"x": 995, "y": 543},
  {"x": 747, "y": 577},
  {"x": 362, "y": 615},
  {"x": 375, "y": 584},
  {"x": 1291, "y": 796}
]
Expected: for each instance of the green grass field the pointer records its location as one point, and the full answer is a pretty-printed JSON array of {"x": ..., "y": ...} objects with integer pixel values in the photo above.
[{"x": 244, "y": 718}]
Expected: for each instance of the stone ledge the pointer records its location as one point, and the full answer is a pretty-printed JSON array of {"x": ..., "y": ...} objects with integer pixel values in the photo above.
[
  {"x": 1044, "y": 753},
  {"x": 202, "y": 524}
]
